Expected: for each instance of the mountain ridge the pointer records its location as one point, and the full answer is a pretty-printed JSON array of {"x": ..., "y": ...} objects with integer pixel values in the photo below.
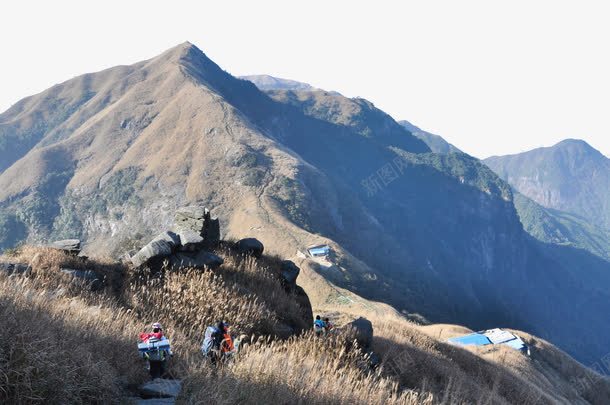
[
  {"x": 569, "y": 176},
  {"x": 293, "y": 168}
]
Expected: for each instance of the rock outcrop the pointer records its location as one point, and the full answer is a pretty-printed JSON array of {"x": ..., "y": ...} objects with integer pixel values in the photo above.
[
  {"x": 195, "y": 231},
  {"x": 362, "y": 329},
  {"x": 250, "y": 246},
  {"x": 199, "y": 220},
  {"x": 289, "y": 273},
  {"x": 71, "y": 246}
]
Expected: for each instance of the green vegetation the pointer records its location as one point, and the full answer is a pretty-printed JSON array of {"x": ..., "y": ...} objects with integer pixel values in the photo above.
[
  {"x": 552, "y": 226},
  {"x": 292, "y": 199},
  {"x": 117, "y": 191}
]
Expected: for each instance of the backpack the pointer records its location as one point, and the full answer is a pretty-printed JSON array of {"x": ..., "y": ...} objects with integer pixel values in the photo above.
[
  {"x": 211, "y": 340},
  {"x": 155, "y": 352}
]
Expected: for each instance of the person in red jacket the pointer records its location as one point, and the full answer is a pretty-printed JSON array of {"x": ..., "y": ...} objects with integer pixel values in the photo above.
[
  {"x": 157, "y": 333},
  {"x": 157, "y": 360}
]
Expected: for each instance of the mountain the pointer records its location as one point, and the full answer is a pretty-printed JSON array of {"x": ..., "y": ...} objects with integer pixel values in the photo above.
[
  {"x": 266, "y": 82},
  {"x": 107, "y": 157},
  {"x": 570, "y": 176},
  {"x": 557, "y": 227},
  {"x": 436, "y": 143}
]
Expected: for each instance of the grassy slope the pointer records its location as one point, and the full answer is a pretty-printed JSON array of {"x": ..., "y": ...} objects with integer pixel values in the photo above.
[{"x": 65, "y": 345}]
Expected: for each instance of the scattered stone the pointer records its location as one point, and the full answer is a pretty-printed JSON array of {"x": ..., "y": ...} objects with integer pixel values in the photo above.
[
  {"x": 71, "y": 246},
  {"x": 250, "y": 246},
  {"x": 89, "y": 276},
  {"x": 289, "y": 273},
  {"x": 156, "y": 250},
  {"x": 199, "y": 260},
  {"x": 160, "y": 388},
  {"x": 190, "y": 241},
  {"x": 12, "y": 269},
  {"x": 363, "y": 332}
]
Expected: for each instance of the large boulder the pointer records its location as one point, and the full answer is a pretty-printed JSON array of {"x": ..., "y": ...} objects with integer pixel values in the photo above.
[
  {"x": 250, "y": 246},
  {"x": 161, "y": 388},
  {"x": 71, "y": 246},
  {"x": 191, "y": 218},
  {"x": 289, "y": 273},
  {"x": 190, "y": 241},
  {"x": 90, "y": 277},
  {"x": 198, "y": 260},
  {"x": 362, "y": 329},
  {"x": 303, "y": 300},
  {"x": 170, "y": 237},
  {"x": 154, "y": 252}
]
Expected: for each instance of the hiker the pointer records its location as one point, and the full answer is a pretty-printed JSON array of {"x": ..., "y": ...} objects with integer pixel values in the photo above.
[
  {"x": 328, "y": 326},
  {"x": 227, "y": 348},
  {"x": 319, "y": 326},
  {"x": 217, "y": 342},
  {"x": 156, "y": 350}
]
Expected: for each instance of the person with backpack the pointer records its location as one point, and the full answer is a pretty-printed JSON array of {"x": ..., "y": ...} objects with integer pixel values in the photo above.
[
  {"x": 156, "y": 350},
  {"x": 319, "y": 326},
  {"x": 217, "y": 342},
  {"x": 328, "y": 326}
]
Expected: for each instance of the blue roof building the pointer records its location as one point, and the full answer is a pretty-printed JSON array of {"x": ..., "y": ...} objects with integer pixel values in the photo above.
[{"x": 491, "y": 337}]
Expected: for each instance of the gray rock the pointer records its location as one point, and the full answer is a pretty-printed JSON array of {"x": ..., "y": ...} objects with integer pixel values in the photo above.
[
  {"x": 190, "y": 240},
  {"x": 170, "y": 237},
  {"x": 199, "y": 260},
  {"x": 160, "y": 388},
  {"x": 154, "y": 251},
  {"x": 12, "y": 269},
  {"x": 289, "y": 273},
  {"x": 192, "y": 218},
  {"x": 94, "y": 281},
  {"x": 363, "y": 332},
  {"x": 250, "y": 246},
  {"x": 71, "y": 246}
]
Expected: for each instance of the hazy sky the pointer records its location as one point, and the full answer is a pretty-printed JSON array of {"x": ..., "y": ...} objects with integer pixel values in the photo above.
[{"x": 491, "y": 77}]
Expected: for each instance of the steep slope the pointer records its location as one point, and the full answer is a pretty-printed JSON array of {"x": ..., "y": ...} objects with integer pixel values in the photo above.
[
  {"x": 557, "y": 227},
  {"x": 266, "y": 82},
  {"x": 570, "y": 176},
  {"x": 424, "y": 232},
  {"x": 436, "y": 143}
]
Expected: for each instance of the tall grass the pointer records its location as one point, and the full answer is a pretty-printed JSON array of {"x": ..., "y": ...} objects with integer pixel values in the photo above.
[{"x": 61, "y": 343}]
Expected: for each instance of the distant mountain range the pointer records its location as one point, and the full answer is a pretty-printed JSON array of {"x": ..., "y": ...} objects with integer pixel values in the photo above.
[
  {"x": 108, "y": 156},
  {"x": 571, "y": 176}
]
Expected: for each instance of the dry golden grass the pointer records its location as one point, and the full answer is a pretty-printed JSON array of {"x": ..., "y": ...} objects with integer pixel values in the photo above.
[{"x": 64, "y": 344}]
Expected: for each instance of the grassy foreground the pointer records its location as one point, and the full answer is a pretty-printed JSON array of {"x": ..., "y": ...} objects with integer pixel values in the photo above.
[{"x": 64, "y": 344}]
